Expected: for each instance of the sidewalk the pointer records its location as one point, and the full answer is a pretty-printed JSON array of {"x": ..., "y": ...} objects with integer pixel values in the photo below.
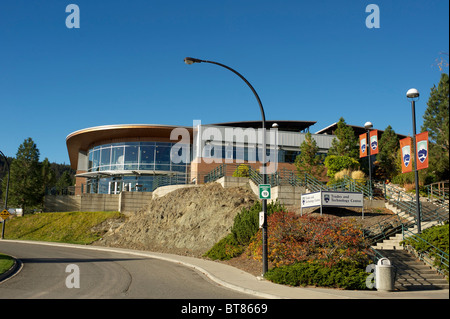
[{"x": 241, "y": 281}]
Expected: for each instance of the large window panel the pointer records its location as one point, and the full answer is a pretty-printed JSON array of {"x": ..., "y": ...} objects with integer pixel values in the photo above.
[
  {"x": 131, "y": 157},
  {"x": 105, "y": 158},
  {"x": 147, "y": 157},
  {"x": 117, "y": 158},
  {"x": 162, "y": 158}
]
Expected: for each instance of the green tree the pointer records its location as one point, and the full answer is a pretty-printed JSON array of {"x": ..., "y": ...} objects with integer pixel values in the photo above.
[
  {"x": 387, "y": 156},
  {"x": 436, "y": 122},
  {"x": 308, "y": 160},
  {"x": 25, "y": 187},
  {"x": 63, "y": 182},
  {"x": 345, "y": 143},
  {"x": 48, "y": 176}
]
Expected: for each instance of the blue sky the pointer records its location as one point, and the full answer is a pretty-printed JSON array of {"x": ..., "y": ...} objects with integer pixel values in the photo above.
[{"x": 308, "y": 60}]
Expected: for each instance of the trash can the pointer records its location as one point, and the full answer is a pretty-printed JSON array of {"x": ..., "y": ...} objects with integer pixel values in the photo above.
[{"x": 384, "y": 274}]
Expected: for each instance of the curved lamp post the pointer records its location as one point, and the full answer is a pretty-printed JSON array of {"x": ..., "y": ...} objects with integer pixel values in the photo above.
[
  {"x": 413, "y": 96},
  {"x": 189, "y": 61},
  {"x": 6, "y": 195}
]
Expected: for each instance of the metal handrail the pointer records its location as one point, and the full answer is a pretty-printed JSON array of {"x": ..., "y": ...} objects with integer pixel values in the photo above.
[{"x": 433, "y": 253}]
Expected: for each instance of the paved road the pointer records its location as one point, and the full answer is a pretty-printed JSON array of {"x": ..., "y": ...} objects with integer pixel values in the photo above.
[{"x": 103, "y": 275}]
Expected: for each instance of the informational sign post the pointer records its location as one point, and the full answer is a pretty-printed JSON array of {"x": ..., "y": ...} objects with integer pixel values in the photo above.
[
  {"x": 332, "y": 199},
  {"x": 264, "y": 191}
]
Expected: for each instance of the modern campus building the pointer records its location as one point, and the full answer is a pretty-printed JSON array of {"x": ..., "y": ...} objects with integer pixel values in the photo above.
[{"x": 140, "y": 157}]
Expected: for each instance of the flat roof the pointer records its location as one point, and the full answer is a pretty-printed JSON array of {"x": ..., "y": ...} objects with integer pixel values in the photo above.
[
  {"x": 330, "y": 130},
  {"x": 289, "y": 126}
]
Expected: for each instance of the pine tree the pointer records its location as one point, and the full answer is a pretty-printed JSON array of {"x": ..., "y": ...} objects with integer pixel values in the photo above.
[
  {"x": 308, "y": 161},
  {"x": 25, "y": 187},
  {"x": 436, "y": 122},
  {"x": 387, "y": 156},
  {"x": 345, "y": 143}
]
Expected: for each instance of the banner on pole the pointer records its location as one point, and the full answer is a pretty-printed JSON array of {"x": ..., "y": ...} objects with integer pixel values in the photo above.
[
  {"x": 405, "y": 146},
  {"x": 363, "y": 145},
  {"x": 422, "y": 150},
  {"x": 373, "y": 142}
]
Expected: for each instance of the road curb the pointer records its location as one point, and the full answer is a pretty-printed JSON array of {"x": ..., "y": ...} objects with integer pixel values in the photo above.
[
  {"x": 11, "y": 272},
  {"x": 155, "y": 255}
]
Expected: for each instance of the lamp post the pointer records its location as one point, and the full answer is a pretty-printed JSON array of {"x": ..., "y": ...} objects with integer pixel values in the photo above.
[
  {"x": 368, "y": 126},
  {"x": 189, "y": 61},
  {"x": 413, "y": 96},
  {"x": 6, "y": 193}
]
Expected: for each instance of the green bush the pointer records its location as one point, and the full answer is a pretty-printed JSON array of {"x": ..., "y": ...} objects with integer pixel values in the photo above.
[
  {"x": 335, "y": 163},
  {"x": 225, "y": 249},
  {"x": 246, "y": 223},
  {"x": 438, "y": 236},
  {"x": 344, "y": 275},
  {"x": 245, "y": 226},
  {"x": 241, "y": 171}
]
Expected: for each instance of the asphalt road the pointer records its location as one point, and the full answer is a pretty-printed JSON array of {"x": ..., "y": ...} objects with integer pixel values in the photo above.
[{"x": 48, "y": 271}]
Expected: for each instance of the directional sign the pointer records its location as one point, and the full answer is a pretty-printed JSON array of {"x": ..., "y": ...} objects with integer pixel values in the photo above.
[
  {"x": 264, "y": 191},
  {"x": 4, "y": 214}
]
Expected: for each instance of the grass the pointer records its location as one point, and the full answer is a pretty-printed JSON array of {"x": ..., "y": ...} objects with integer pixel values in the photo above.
[
  {"x": 6, "y": 262},
  {"x": 69, "y": 227}
]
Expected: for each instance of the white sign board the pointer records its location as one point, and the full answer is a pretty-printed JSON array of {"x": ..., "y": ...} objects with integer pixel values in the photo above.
[
  {"x": 332, "y": 199},
  {"x": 342, "y": 199},
  {"x": 311, "y": 199}
]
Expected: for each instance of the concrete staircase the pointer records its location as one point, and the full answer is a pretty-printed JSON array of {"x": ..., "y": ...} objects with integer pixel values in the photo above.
[
  {"x": 410, "y": 272},
  {"x": 413, "y": 274}
]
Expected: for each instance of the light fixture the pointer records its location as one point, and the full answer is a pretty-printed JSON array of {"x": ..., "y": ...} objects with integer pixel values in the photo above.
[
  {"x": 368, "y": 125},
  {"x": 190, "y": 61},
  {"x": 412, "y": 93}
]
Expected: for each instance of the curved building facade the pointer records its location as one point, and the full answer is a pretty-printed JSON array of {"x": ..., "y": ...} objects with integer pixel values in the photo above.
[
  {"x": 139, "y": 158},
  {"x": 114, "y": 158}
]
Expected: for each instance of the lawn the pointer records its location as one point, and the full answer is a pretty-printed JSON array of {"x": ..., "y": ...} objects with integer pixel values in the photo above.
[
  {"x": 69, "y": 227},
  {"x": 6, "y": 262}
]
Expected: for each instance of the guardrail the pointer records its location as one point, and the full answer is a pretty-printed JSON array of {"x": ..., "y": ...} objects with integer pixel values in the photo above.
[{"x": 432, "y": 255}]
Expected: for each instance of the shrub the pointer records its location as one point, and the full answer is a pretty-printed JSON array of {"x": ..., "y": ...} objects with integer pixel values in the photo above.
[
  {"x": 241, "y": 171},
  {"x": 438, "y": 236},
  {"x": 245, "y": 226},
  {"x": 344, "y": 275},
  {"x": 293, "y": 239},
  {"x": 225, "y": 249},
  {"x": 336, "y": 163}
]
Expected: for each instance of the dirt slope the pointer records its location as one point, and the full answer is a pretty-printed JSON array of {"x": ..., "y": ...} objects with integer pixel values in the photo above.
[{"x": 187, "y": 221}]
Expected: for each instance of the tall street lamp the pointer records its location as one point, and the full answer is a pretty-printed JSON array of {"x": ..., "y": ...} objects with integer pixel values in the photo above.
[
  {"x": 413, "y": 96},
  {"x": 6, "y": 193},
  {"x": 189, "y": 61},
  {"x": 368, "y": 126}
]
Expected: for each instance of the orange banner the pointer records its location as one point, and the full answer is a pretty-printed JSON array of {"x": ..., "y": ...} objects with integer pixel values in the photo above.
[
  {"x": 422, "y": 150},
  {"x": 363, "y": 145},
  {"x": 373, "y": 142},
  {"x": 405, "y": 146}
]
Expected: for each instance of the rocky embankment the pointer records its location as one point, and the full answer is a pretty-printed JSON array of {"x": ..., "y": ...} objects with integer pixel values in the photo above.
[{"x": 187, "y": 221}]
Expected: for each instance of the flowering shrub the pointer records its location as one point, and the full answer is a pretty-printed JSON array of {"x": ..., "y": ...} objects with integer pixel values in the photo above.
[{"x": 294, "y": 239}]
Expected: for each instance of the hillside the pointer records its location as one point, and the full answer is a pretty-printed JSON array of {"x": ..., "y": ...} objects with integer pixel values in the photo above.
[{"x": 188, "y": 221}]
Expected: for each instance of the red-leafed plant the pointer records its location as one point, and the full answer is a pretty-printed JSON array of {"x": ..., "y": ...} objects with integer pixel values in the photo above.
[{"x": 294, "y": 239}]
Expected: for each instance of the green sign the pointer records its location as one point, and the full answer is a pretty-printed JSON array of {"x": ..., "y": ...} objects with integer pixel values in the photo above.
[{"x": 264, "y": 191}]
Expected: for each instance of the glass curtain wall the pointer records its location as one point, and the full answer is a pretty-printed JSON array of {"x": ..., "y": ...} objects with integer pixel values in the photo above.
[{"x": 120, "y": 160}]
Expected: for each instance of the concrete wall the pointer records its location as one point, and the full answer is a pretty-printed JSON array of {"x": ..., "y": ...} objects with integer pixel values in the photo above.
[
  {"x": 132, "y": 201},
  {"x": 62, "y": 203},
  {"x": 124, "y": 202},
  {"x": 99, "y": 202}
]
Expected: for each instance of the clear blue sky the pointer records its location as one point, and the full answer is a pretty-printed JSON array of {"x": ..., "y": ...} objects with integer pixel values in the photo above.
[{"x": 308, "y": 60}]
